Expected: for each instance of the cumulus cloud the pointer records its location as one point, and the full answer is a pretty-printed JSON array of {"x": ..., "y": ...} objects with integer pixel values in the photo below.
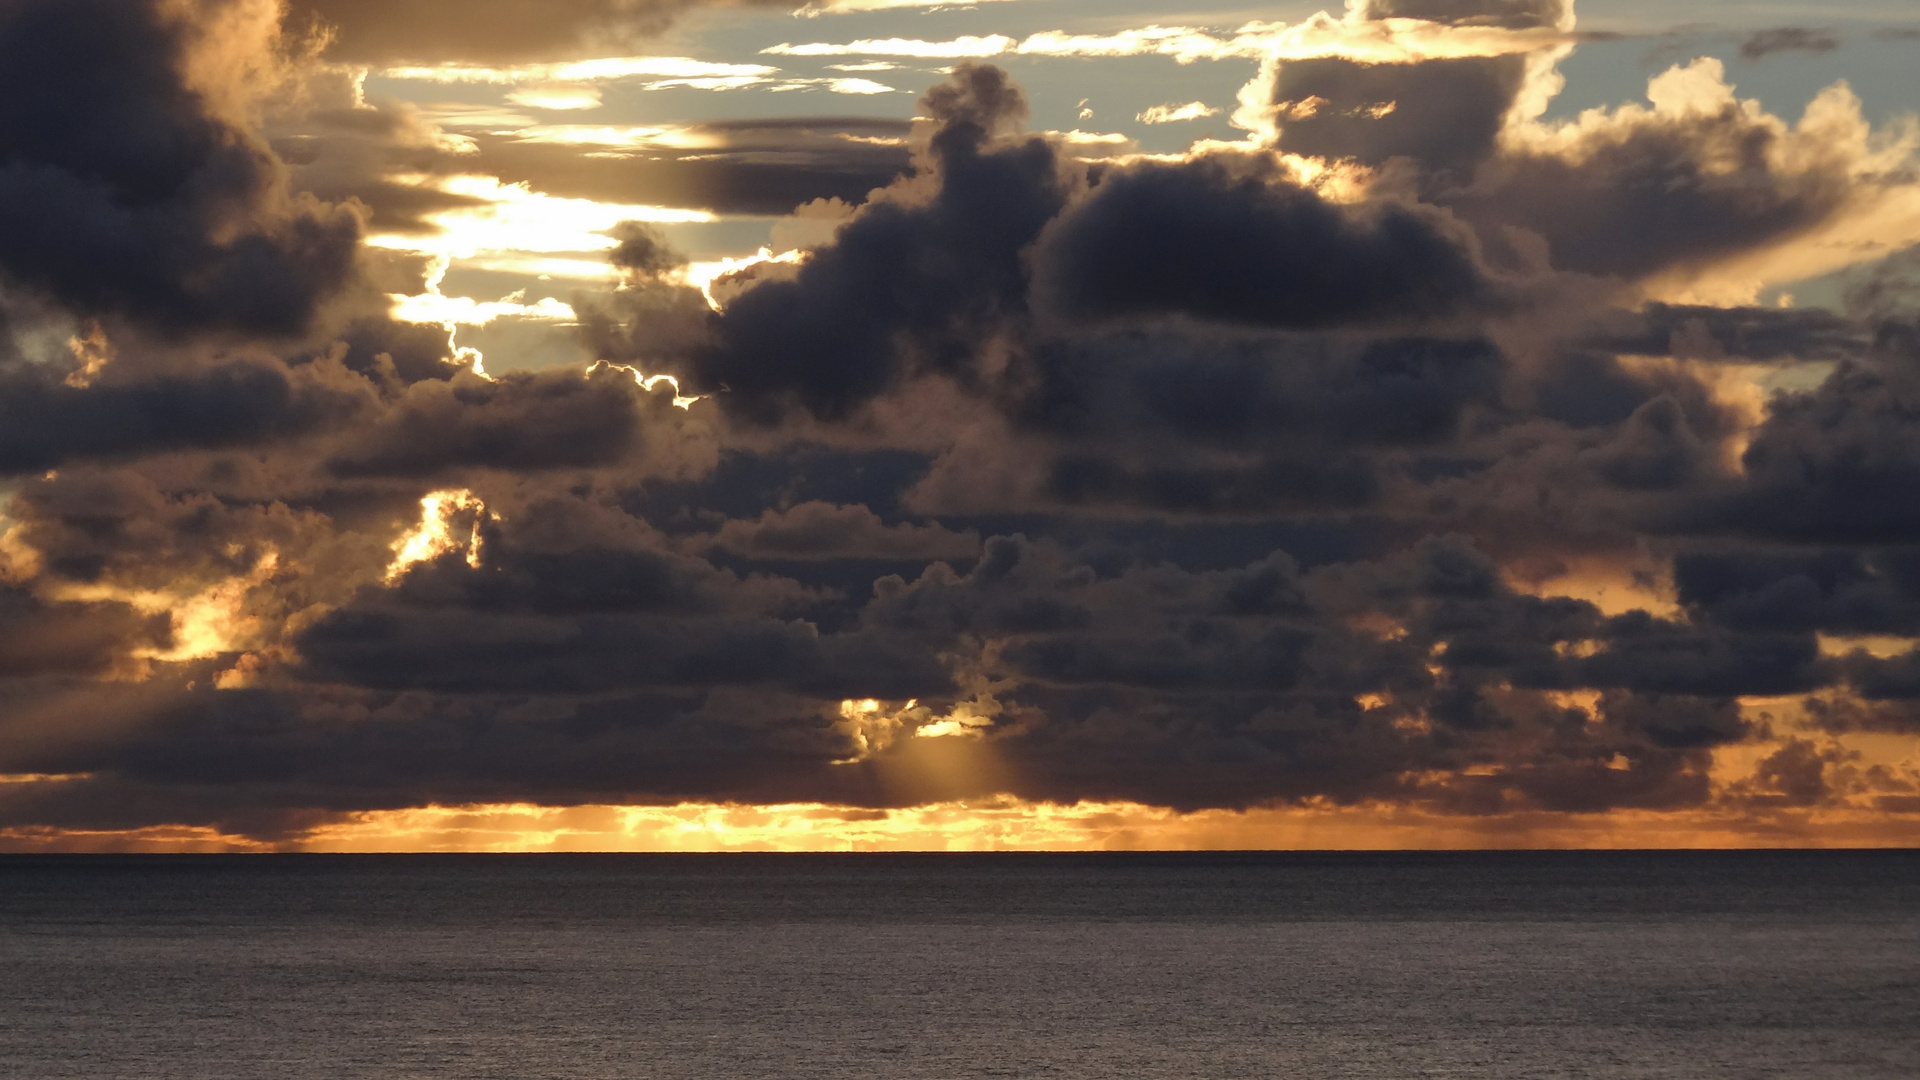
[{"x": 1224, "y": 240}]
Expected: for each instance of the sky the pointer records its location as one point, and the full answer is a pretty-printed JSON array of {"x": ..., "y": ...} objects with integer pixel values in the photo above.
[{"x": 877, "y": 424}]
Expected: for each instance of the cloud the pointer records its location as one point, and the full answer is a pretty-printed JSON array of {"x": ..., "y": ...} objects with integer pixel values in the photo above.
[
  {"x": 1170, "y": 114},
  {"x": 48, "y": 423},
  {"x": 961, "y": 47},
  {"x": 521, "y": 421},
  {"x": 837, "y": 7},
  {"x": 1217, "y": 239},
  {"x": 39, "y": 638},
  {"x": 1832, "y": 463},
  {"x": 1415, "y": 455},
  {"x": 1359, "y": 39},
  {"x": 495, "y": 31},
  {"x": 1764, "y": 43},
  {"x": 124, "y": 191},
  {"x": 661, "y": 69},
  {"x": 1734, "y": 180},
  {"x": 1507, "y": 14},
  {"x": 743, "y": 167},
  {"x": 1444, "y": 114},
  {"x": 827, "y": 339},
  {"x": 818, "y": 530},
  {"x": 1837, "y": 591}
]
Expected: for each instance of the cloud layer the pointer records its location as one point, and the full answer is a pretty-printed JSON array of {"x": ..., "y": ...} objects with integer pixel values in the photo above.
[{"x": 1411, "y": 452}]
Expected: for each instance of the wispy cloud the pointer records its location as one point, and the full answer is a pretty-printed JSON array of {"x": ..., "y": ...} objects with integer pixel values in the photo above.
[
  {"x": 1781, "y": 39},
  {"x": 848, "y": 7},
  {"x": 1172, "y": 114},
  {"x": 1370, "y": 41}
]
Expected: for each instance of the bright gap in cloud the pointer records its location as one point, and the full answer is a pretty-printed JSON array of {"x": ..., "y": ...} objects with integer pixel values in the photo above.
[
  {"x": 466, "y": 311},
  {"x": 556, "y": 97},
  {"x": 515, "y": 218},
  {"x": 609, "y": 67}
]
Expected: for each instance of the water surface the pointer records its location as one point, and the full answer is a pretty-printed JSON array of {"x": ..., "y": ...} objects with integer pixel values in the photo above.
[{"x": 840, "y": 966}]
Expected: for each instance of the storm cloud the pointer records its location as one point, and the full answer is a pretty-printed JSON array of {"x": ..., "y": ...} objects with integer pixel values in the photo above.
[{"x": 126, "y": 192}]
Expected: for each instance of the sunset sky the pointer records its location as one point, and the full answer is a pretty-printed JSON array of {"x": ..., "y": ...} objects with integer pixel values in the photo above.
[{"x": 878, "y": 424}]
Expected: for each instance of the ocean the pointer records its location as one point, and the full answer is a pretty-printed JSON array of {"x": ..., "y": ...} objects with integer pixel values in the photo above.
[{"x": 1119, "y": 967}]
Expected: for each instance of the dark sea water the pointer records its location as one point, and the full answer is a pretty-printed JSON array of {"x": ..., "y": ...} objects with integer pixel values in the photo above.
[{"x": 1148, "y": 966}]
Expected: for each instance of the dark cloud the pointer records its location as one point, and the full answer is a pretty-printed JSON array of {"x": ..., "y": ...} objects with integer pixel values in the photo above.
[
  {"x": 1750, "y": 333},
  {"x": 1665, "y": 190},
  {"x": 1677, "y": 723},
  {"x": 1888, "y": 294},
  {"x": 818, "y": 530},
  {"x": 46, "y": 422},
  {"x": 1509, "y": 14},
  {"x": 742, "y": 167},
  {"x": 909, "y": 284},
  {"x": 592, "y": 620},
  {"x": 1889, "y": 679},
  {"x": 1794, "y": 775},
  {"x": 1650, "y": 656},
  {"x": 191, "y": 754},
  {"x": 642, "y": 251},
  {"x": 1656, "y": 449},
  {"x": 1442, "y": 114},
  {"x": 339, "y": 147},
  {"x": 522, "y": 420},
  {"x": 122, "y": 192},
  {"x": 1217, "y": 240},
  {"x": 1206, "y": 239},
  {"x": 1838, "y": 463},
  {"x": 1601, "y": 394},
  {"x": 387, "y": 352},
  {"x": 1764, "y": 43},
  {"x": 66, "y": 638},
  {"x": 1838, "y": 591},
  {"x": 652, "y": 318},
  {"x": 1382, "y": 392}
]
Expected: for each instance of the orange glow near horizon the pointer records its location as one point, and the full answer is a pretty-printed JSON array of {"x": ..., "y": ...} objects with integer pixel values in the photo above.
[
  {"x": 998, "y": 824},
  {"x": 1872, "y": 783}
]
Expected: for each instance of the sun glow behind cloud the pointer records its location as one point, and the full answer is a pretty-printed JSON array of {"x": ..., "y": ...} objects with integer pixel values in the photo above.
[
  {"x": 436, "y": 534},
  {"x": 207, "y": 621},
  {"x": 651, "y": 383},
  {"x": 1881, "y": 774},
  {"x": 994, "y": 824},
  {"x": 514, "y": 218}
]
